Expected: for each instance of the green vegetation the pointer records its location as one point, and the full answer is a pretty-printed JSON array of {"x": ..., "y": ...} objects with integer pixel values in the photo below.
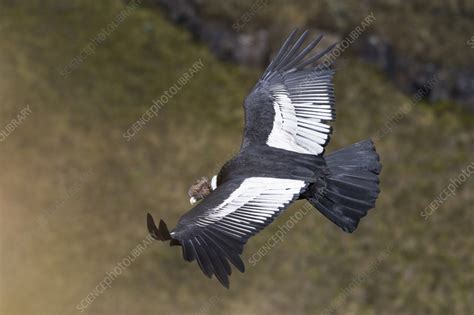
[{"x": 74, "y": 193}]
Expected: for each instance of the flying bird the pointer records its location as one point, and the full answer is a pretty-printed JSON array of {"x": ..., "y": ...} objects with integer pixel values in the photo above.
[{"x": 281, "y": 160}]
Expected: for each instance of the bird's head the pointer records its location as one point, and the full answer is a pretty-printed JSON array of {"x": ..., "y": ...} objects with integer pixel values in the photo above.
[{"x": 199, "y": 190}]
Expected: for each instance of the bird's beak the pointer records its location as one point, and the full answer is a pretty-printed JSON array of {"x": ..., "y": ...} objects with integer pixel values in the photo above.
[{"x": 192, "y": 200}]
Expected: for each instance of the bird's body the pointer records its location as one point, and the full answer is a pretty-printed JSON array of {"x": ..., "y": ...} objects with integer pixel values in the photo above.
[
  {"x": 265, "y": 161},
  {"x": 281, "y": 160}
]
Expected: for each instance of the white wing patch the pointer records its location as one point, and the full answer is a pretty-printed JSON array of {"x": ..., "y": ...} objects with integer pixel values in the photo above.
[
  {"x": 299, "y": 115},
  {"x": 256, "y": 200}
]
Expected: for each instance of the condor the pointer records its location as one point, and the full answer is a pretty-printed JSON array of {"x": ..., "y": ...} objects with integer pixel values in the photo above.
[{"x": 281, "y": 159}]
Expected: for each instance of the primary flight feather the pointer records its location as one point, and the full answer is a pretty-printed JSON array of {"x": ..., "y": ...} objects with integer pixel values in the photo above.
[{"x": 281, "y": 159}]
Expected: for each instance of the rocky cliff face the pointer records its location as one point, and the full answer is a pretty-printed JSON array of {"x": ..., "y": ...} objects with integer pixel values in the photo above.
[
  {"x": 440, "y": 82},
  {"x": 251, "y": 49},
  {"x": 411, "y": 75}
]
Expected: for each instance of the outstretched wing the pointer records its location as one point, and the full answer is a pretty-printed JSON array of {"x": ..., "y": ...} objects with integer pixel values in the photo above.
[
  {"x": 215, "y": 231},
  {"x": 291, "y": 104}
]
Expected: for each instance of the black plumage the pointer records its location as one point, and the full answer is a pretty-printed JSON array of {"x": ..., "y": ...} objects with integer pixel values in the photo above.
[{"x": 281, "y": 159}]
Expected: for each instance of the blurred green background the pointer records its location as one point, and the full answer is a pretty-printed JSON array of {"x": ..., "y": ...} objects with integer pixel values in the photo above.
[{"x": 74, "y": 193}]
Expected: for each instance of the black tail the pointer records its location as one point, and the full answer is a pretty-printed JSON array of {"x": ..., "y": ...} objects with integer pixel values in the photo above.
[{"x": 351, "y": 187}]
